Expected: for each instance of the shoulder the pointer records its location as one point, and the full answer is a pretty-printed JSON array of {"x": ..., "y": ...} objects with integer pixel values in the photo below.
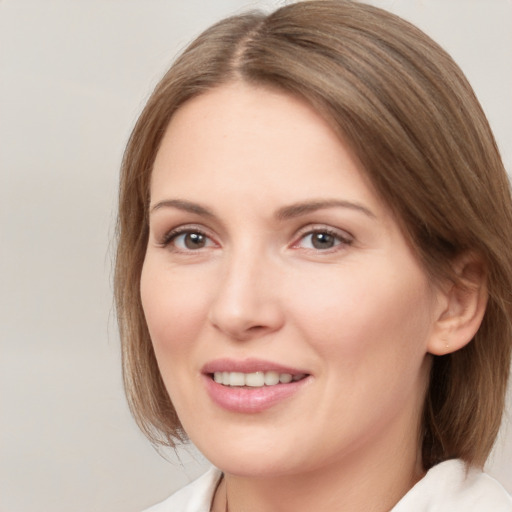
[
  {"x": 195, "y": 497},
  {"x": 451, "y": 487}
]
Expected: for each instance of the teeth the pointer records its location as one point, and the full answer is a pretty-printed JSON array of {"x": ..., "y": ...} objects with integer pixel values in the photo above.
[
  {"x": 285, "y": 378},
  {"x": 236, "y": 379},
  {"x": 271, "y": 378},
  {"x": 255, "y": 379}
]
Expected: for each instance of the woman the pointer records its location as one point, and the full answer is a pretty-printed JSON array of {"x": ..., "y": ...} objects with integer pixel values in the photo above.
[{"x": 313, "y": 277}]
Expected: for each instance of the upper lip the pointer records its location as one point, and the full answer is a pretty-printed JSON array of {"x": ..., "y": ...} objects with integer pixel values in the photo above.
[{"x": 250, "y": 365}]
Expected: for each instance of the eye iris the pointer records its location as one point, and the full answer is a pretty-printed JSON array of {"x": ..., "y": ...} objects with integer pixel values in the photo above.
[
  {"x": 194, "y": 240},
  {"x": 322, "y": 240}
]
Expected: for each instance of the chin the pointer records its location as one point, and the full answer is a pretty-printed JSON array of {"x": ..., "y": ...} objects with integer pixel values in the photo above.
[{"x": 248, "y": 458}]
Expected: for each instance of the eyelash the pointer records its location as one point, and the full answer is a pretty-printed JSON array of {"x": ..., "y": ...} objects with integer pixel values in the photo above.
[
  {"x": 340, "y": 240},
  {"x": 343, "y": 240},
  {"x": 172, "y": 235}
]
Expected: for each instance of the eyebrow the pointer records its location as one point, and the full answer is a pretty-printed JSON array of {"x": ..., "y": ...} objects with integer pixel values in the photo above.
[
  {"x": 303, "y": 208},
  {"x": 284, "y": 213},
  {"x": 181, "y": 204}
]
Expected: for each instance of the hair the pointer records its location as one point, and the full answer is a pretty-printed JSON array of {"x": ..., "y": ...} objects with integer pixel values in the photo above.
[{"x": 411, "y": 118}]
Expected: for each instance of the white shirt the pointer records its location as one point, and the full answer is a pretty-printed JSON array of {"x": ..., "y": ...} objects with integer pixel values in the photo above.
[{"x": 445, "y": 488}]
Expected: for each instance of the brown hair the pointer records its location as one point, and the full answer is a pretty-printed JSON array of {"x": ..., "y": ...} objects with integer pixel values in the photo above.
[{"x": 412, "y": 119}]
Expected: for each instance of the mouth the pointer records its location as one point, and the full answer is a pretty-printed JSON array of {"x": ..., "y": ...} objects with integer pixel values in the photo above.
[
  {"x": 252, "y": 385},
  {"x": 257, "y": 379}
]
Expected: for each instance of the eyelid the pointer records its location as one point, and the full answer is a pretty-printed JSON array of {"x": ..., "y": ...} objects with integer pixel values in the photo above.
[
  {"x": 170, "y": 235},
  {"x": 343, "y": 236}
]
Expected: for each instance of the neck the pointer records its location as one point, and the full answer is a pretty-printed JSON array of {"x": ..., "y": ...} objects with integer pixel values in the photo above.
[{"x": 350, "y": 492}]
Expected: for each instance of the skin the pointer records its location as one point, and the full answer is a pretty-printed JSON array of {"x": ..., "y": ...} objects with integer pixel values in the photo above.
[{"x": 359, "y": 317}]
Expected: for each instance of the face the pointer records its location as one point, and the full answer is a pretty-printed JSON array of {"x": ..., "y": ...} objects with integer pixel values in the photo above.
[{"x": 289, "y": 317}]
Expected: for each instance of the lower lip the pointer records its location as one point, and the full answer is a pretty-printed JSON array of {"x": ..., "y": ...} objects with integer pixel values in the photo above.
[{"x": 251, "y": 400}]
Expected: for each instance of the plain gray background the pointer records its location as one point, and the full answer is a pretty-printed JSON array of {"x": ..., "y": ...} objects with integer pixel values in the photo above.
[{"x": 73, "y": 77}]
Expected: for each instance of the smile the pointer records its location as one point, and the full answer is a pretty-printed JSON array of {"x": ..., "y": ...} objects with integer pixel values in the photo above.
[
  {"x": 252, "y": 385},
  {"x": 255, "y": 379}
]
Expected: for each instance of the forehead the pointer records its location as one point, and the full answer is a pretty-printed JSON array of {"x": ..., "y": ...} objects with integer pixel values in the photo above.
[
  {"x": 237, "y": 112},
  {"x": 254, "y": 138}
]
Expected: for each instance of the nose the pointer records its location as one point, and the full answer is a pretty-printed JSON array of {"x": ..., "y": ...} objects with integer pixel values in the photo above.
[{"x": 246, "y": 304}]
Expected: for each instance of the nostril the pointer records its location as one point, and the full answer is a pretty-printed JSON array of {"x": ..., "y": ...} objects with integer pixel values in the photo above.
[{"x": 256, "y": 328}]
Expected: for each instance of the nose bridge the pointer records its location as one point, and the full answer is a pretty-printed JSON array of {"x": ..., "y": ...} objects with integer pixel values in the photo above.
[{"x": 246, "y": 302}]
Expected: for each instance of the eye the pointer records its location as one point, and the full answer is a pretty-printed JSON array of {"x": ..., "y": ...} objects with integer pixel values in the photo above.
[
  {"x": 188, "y": 240},
  {"x": 322, "y": 240}
]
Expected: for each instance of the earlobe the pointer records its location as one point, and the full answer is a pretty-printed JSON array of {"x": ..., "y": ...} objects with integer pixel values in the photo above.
[{"x": 463, "y": 304}]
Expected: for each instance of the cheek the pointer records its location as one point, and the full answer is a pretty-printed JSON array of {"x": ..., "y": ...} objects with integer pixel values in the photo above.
[
  {"x": 174, "y": 308},
  {"x": 376, "y": 315},
  {"x": 369, "y": 333}
]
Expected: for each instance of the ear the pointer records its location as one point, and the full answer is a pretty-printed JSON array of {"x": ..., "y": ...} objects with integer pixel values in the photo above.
[{"x": 461, "y": 306}]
